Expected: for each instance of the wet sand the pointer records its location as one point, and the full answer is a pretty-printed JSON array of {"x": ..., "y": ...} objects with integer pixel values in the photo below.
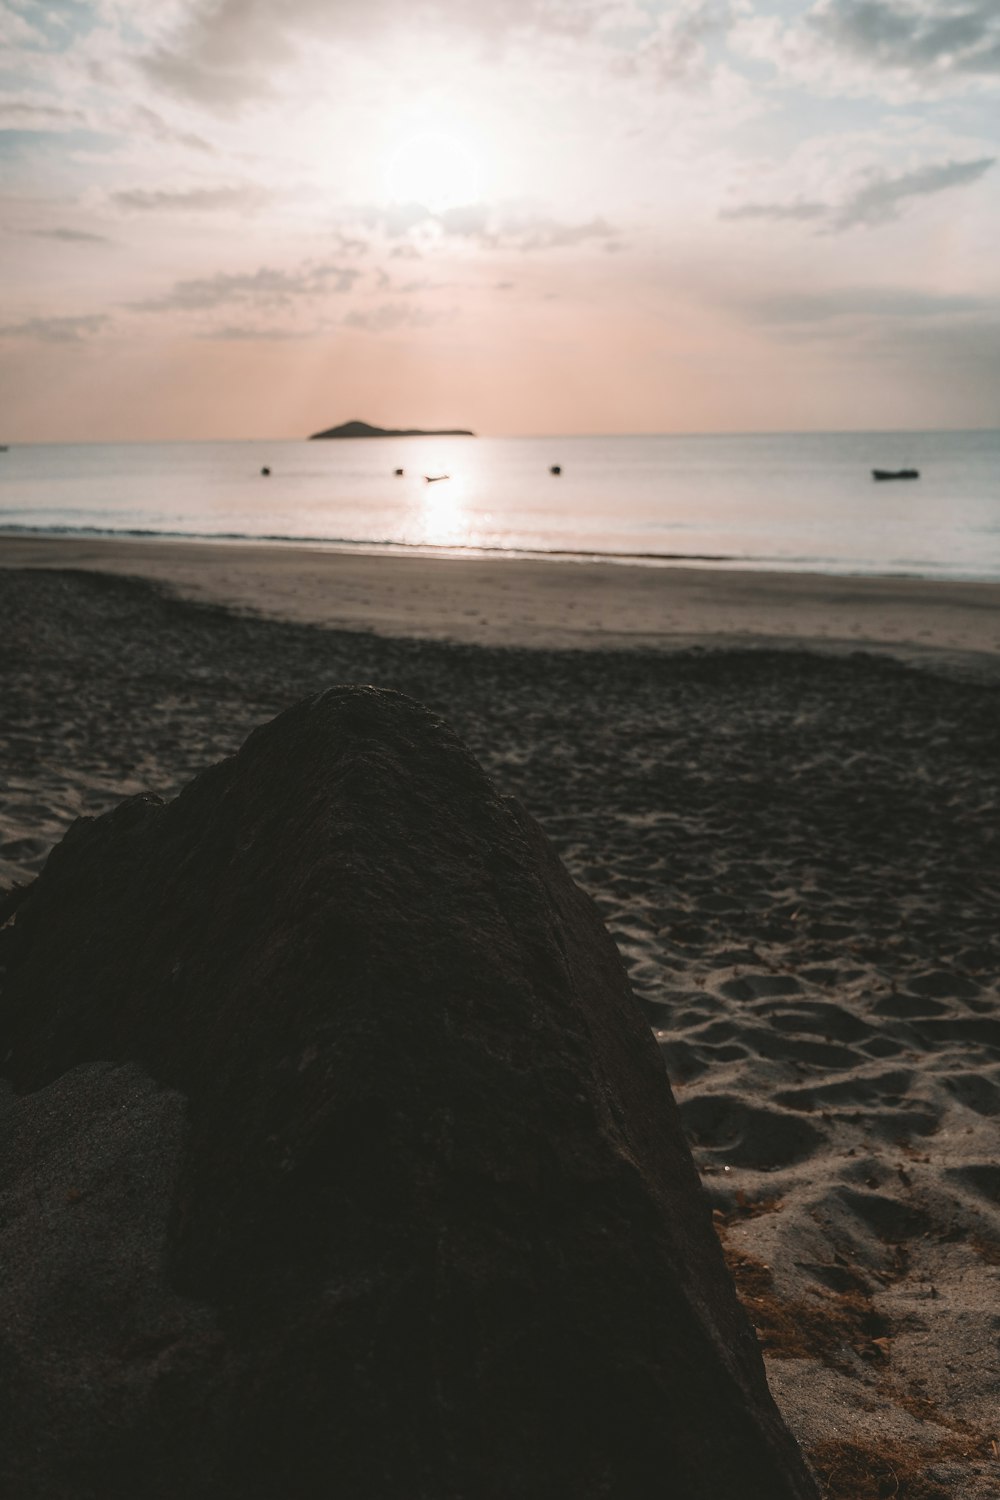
[
  {"x": 798, "y": 853},
  {"x": 534, "y": 602}
]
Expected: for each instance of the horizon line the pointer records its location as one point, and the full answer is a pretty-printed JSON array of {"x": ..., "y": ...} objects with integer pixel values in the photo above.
[{"x": 509, "y": 436}]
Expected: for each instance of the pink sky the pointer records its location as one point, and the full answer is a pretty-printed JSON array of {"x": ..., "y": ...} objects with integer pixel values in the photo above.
[{"x": 243, "y": 219}]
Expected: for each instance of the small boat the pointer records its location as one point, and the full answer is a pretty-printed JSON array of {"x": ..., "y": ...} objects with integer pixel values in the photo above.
[
  {"x": 895, "y": 473},
  {"x": 436, "y": 478},
  {"x": 555, "y": 468}
]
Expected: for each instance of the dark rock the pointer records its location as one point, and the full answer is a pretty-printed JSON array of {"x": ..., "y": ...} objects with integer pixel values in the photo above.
[
  {"x": 104, "y": 1368},
  {"x": 434, "y": 1231},
  {"x": 357, "y": 429}
]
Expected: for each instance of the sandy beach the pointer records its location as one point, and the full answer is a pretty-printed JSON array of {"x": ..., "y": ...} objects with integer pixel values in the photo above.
[
  {"x": 535, "y": 602},
  {"x": 782, "y": 790}
]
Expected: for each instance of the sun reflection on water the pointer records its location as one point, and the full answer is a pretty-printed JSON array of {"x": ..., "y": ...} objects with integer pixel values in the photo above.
[
  {"x": 444, "y": 519},
  {"x": 446, "y": 514}
]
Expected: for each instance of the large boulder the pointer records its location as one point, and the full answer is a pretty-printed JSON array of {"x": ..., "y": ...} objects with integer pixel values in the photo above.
[{"x": 417, "y": 1220}]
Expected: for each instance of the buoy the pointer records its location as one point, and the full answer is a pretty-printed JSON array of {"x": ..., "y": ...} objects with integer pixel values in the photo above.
[
  {"x": 555, "y": 469},
  {"x": 398, "y": 473},
  {"x": 265, "y": 470}
]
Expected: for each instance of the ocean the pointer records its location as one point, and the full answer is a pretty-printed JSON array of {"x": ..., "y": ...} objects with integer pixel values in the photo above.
[{"x": 803, "y": 501}]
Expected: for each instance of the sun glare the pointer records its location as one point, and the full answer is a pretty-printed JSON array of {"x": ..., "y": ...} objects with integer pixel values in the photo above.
[{"x": 434, "y": 170}]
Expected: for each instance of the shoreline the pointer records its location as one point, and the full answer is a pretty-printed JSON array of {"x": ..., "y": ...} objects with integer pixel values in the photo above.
[{"x": 589, "y": 605}]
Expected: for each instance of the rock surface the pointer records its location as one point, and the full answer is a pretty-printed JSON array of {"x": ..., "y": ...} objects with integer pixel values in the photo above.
[
  {"x": 430, "y": 1227},
  {"x": 366, "y": 430}
]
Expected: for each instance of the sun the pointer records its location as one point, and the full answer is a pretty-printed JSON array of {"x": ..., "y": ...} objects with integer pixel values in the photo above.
[{"x": 433, "y": 169}]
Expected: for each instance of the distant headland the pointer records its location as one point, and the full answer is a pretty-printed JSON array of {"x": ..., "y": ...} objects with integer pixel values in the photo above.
[{"x": 366, "y": 430}]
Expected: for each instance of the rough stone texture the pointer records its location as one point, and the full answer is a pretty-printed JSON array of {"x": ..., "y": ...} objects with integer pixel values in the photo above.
[
  {"x": 104, "y": 1368},
  {"x": 435, "y": 1217}
]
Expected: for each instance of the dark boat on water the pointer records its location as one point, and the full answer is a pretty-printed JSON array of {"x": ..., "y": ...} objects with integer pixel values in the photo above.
[{"x": 895, "y": 473}]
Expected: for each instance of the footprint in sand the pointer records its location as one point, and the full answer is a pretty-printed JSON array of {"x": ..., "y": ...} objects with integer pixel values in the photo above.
[
  {"x": 976, "y": 1091},
  {"x": 760, "y": 986},
  {"x": 938, "y": 985},
  {"x": 983, "y": 1180},
  {"x": 748, "y": 1135},
  {"x": 816, "y": 1018}
]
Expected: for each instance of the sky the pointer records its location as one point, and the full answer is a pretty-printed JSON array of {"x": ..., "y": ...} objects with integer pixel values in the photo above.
[{"x": 258, "y": 218}]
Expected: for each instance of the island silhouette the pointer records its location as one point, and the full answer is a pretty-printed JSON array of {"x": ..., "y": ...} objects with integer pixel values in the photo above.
[{"x": 366, "y": 430}]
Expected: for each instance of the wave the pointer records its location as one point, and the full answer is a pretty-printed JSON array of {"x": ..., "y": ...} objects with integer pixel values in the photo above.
[
  {"x": 379, "y": 543},
  {"x": 897, "y": 568}
]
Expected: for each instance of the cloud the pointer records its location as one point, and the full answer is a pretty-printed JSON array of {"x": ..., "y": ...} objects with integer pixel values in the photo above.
[
  {"x": 266, "y": 286},
  {"x": 893, "y": 50},
  {"x": 547, "y": 234},
  {"x": 799, "y": 210},
  {"x": 347, "y": 244},
  {"x": 130, "y": 120},
  {"x": 254, "y": 334},
  {"x": 969, "y": 351},
  {"x": 875, "y": 199},
  {"x": 495, "y": 229},
  {"x": 386, "y": 317},
  {"x": 676, "y": 51},
  {"x": 217, "y": 88},
  {"x": 157, "y": 128},
  {"x": 910, "y": 329},
  {"x": 916, "y": 36},
  {"x": 57, "y": 330},
  {"x": 18, "y": 114},
  {"x": 69, "y": 236},
  {"x": 398, "y": 219},
  {"x": 17, "y": 32},
  {"x": 470, "y": 220},
  {"x": 863, "y": 303},
  {"x": 225, "y": 53},
  {"x": 385, "y": 283},
  {"x": 908, "y": 332},
  {"x": 190, "y": 200}
]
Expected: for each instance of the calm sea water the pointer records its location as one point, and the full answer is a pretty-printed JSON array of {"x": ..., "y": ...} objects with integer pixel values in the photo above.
[{"x": 802, "y": 501}]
